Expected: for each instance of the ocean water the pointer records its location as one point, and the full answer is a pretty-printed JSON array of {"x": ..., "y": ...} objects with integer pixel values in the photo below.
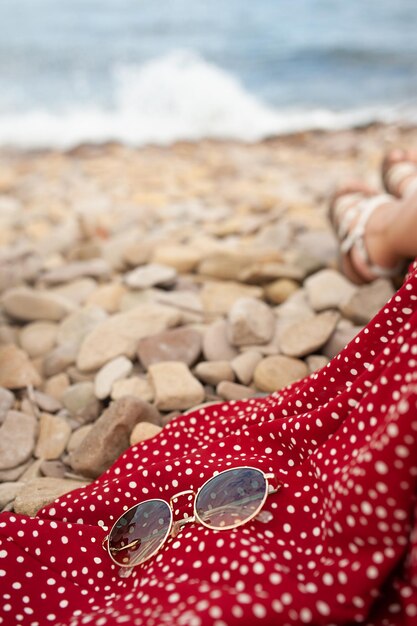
[{"x": 146, "y": 71}]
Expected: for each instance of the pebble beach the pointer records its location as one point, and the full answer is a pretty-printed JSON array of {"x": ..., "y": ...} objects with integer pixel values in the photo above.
[{"x": 139, "y": 283}]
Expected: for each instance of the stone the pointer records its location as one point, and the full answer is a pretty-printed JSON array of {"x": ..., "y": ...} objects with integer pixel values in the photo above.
[
  {"x": 77, "y": 397},
  {"x": 316, "y": 362},
  {"x": 46, "y": 403},
  {"x": 328, "y": 289},
  {"x": 59, "y": 359},
  {"x": 40, "y": 492},
  {"x": 276, "y": 372},
  {"x": 77, "y": 436},
  {"x": 76, "y": 291},
  {"x": 214, "y": 372},
  {"x": 151, "y": 275},
  {"x": 110, "y": 435},
  {"x": 182, "y": 299},
  {"x": 307, "y": 336},
  {"x": 6, "y": 402},
  {"x": 296, "y": 307},
  {"x": 134, "y": 386},
  {"x": 94, "y": 268},
  {"x": 339, "y": 339},
  {"x": 74, "y": 328},
  {"x": 119, "y": 334},
  {"x": 244, "y": 365},
  {"x": 279, "y": 290},
  {"x": 54, "y": 434},
  {"x": 260, "y": 273},
  {"x": 114, "y": 370},
  {"x": 17, "y": 439},
  {"x": 15, "y": 473},
  {"x": 56, "y": 385},
  {"x": 234, "y": 391},
  {"x": 54, "y": 469},
  {"x": 216, "y": 346},
  {"x": 107, "y": 297},
  {"x": 250, "y": 321},
  {"x": 29, "y": 305},
  {"x": 184, "y": 259},
  {"x": 16, "y": 370},
  {"x": 179, "y": 344},
  {"x": 365, "y": 303},
  {"x": 8, "y": 492},
  {"x": 224, "y": 265},
  {"x": 175, "y": 387},
  {"x": 38, "y": 338},
  {"x": 219, "y": 296},
  {"x": 8, "y": 334},
  {"x": 144, "y": 431}
]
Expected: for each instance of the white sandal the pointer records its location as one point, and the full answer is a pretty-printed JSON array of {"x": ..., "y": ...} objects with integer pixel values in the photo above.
[
  {"x": 344, "y": 211},
  {"x": 397, "y": 174}
]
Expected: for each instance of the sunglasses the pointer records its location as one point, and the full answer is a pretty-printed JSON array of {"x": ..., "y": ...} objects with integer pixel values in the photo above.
[{"x": 230, "y": 499}]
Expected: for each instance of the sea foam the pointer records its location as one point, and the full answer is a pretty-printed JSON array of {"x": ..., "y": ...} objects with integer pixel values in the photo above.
[{"x": 178, "y": 96}]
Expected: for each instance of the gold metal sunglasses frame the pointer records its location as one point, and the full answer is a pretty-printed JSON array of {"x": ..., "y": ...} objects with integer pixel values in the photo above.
[{"x": 176, "y": 526}]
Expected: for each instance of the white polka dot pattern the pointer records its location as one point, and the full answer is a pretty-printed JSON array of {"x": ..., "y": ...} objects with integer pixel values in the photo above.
[{"x": 341, "y": 544}]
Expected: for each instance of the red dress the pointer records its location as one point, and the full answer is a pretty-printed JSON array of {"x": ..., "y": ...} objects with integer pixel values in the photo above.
[{"x": 341, "y": 547}]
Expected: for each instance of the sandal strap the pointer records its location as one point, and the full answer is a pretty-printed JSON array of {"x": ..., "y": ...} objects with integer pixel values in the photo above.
[
  {"x": 344, "y": 212},
  {"x": 356, "y": 237},
  {"x": 398, "y": 172}
]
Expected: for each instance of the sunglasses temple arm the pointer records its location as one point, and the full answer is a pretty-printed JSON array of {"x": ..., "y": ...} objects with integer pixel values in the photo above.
[{"x": 271, "y": 488}]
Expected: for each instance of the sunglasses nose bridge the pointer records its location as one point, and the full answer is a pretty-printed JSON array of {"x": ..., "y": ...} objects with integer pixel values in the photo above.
[{"x": 180, "y": 493}]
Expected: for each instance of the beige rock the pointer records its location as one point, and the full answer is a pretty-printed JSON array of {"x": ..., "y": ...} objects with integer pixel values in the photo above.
[
  {"x": 367, "y": 300},
  {"x": 6, "y": 402},
  {"x": 120, "y": 333},
  {"x": 114, "y": 370},
  {"x": 144, "y": 431},
  {"x": 219, "y": 296},
  {"x": 40, "y": 492},
  {"x": 54, "y": 434},
  {"x": 30, "y": 305},
  {"x": 307, "y": 336},
  {"x": 250, "y": 321},
  {"x": 75, "y": 327},
  {"x": 46, "y": 403},
  {"x": 216, "y": 346},
  {"x": 339, "y": 339},
  {"x": 38, "y": 338},
  {"x": 56, "y": 385},
  {"x": 224, "y": 265},
  {"x": 150, "y": 275},
  {"x": 15, "y": 473},
  {"x": 244, "y": 365},
  {"x": 17, "y": 439},
  {"x": 260, "y": 273},
  {"x": 328, "y": 289},
  {"x": 77, "y": 397},
  {"x": 182, "y": 258},
  {"x": 59, "y": 359},
  {"x": 16, "y": 370},
  {"x": 9, "y": 491},
  {"x": 233, "y": 391},
  {"x": 77, "y": 436},
  {"x": 175, "y": 387},
  {"x": 134, "y": 386},
  {"x": 178, "y": 344},
  {"x": 77, "y": 291},
  {"x": 316, "y": 362},
  {"x": 279, "y": 290},
  {"x": 94, "y": 268},
  {"x": 214, "y": 372},
  {"x": 276, "y": 372},
  {"x": 107, "y": 297},
  {"x": 110, "y": 435}
]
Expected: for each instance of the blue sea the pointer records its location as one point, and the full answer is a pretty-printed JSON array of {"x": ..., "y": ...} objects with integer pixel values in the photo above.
[{"x": 145, "y": 71}]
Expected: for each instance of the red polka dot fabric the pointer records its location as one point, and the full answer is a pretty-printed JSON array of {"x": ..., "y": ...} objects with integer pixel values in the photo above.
[{"x": 339, "y": 545}]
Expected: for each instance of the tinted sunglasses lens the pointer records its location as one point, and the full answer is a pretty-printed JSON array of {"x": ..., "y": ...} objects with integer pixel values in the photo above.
[
  {"x": 231, "y": 498},
  {"x": 140, "y": 532}
]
